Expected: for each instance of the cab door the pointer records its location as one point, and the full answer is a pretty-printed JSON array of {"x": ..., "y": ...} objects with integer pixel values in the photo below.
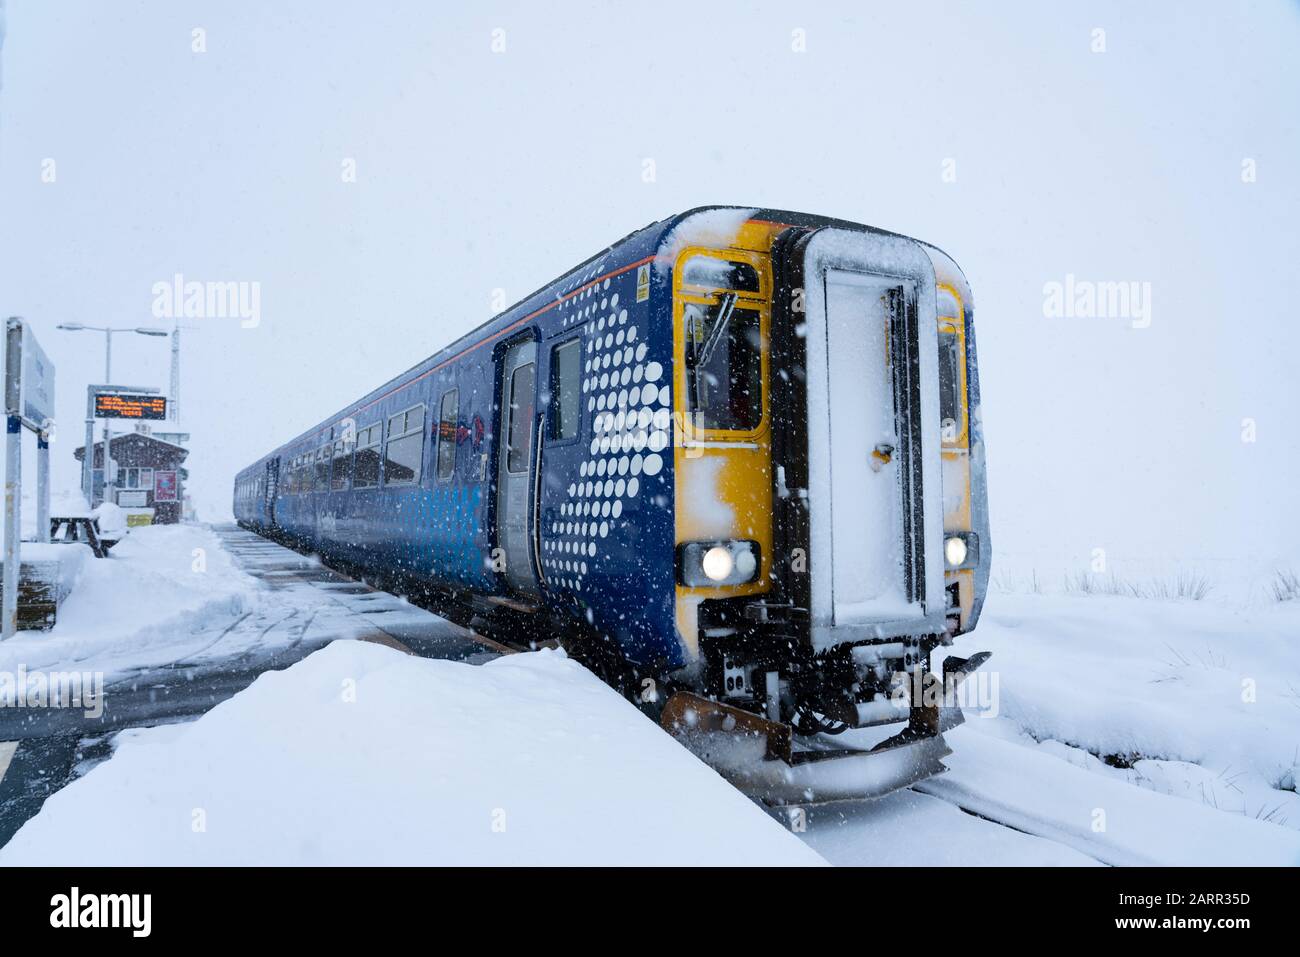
[
  {"x": 516, "y": 466},
  {"x": 874, "y": 502}
]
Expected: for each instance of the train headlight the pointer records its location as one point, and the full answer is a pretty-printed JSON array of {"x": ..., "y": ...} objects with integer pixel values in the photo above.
[
  {"x": 959, "y": 549},
  {"x": 718, "y": 563}
]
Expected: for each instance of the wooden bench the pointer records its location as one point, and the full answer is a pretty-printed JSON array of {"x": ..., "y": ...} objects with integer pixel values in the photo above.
[{"x": 43, "y": 583}]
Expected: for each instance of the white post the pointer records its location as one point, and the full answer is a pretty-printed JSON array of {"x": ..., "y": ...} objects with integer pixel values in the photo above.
[
  {"x": 13, "y": 476},
  {"x": 175, "y": 411},
  {"x": 108, "y": 429},
  {"x": 88, "y": 463},
  {"x": 42, "y": 486}
]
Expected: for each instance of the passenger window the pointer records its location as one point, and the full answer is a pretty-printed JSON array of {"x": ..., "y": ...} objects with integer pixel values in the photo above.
[
  {"x": 342, "y": 466},
  {"x": 366, "y": 465},
  {"x": 565, "y": 407},
  {"x": 323, "y": 468},
  {"x": 405, "y": 447},
  {"x": 447, "y": 434},
  {"x": 519, "y": 431}
]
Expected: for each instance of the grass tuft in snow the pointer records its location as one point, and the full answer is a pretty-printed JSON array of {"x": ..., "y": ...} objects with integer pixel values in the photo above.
[
  {"x": 1286, "y": 585},
  {"x": 1272, "y": 815},
  {"x": 1187, "y": 585},
  {"x": 1087, "y": 584},
  {"x": 1009, "y": 584}
]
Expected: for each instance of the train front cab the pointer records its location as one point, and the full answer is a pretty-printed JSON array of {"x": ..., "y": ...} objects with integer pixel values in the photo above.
[{"x": 830, "y": 505}]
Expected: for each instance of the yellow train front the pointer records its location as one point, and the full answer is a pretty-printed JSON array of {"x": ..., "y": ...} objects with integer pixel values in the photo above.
[{"x": 830, "y": 501}]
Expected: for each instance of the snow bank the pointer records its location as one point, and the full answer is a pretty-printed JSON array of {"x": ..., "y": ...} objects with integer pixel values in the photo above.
[
  {"x": 993, "y": 774},
  {"x": 158, "y": 585},
  {"x": 1180, "y": 683},
  {"x": 362, "y": 755}
]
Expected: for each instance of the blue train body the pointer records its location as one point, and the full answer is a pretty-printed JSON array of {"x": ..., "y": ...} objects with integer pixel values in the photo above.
[{"x": 440, "y": 529}]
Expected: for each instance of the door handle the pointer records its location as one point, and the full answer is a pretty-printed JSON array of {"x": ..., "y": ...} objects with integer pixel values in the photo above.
[{"x": 881, "y": 456}]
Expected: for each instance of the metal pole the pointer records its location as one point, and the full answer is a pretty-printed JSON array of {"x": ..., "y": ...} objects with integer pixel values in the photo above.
[
  {"x": 13, "y": 476},
  {"x": 108, "y": 429},
  {"x": 176, "y": 376},
  {"x": 88, "y": 463},
  {"x": 42, "y": 486}
]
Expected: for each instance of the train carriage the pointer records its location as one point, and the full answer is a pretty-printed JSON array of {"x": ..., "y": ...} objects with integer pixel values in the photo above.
[{"x": 734, "y": 461}]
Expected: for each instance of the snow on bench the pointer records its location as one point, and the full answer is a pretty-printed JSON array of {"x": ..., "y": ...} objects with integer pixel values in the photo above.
[{"x": 46, "y": 576}]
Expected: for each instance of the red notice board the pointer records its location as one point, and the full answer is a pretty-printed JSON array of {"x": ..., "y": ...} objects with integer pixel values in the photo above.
[{"x": 164, "y": 486}]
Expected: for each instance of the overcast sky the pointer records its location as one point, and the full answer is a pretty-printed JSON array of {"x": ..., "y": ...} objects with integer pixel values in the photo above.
[{"x": 480, "y": 169}]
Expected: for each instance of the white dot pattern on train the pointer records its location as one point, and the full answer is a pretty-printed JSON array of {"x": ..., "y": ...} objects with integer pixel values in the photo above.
[{"x": 630, "y": 406}]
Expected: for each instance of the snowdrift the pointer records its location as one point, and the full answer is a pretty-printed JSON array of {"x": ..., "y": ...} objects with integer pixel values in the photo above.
[
  {"x": 159, "y": 584},
  {"x": 1204, "y": 696},
  {"x": 360, "y": 754}
]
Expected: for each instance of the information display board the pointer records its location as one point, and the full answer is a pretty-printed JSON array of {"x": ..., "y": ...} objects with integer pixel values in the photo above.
[{"x": 117, "y": 405}]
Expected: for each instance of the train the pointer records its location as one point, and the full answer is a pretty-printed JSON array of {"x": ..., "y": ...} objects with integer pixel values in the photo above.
[{"x": 733, "y": 462}]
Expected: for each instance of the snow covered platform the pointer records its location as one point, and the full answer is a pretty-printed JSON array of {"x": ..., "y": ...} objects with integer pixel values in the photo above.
[
  {"x": 181, "y": 617},
  {"x": 178, "y": 619},
  {"x": 364, "y": 755}
]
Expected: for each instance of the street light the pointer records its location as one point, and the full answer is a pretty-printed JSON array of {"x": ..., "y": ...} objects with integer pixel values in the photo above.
[{"x": 87, "y": 464}]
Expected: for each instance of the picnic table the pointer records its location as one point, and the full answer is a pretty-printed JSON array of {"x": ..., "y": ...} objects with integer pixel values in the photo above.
[{"x": 65, "y": 529}]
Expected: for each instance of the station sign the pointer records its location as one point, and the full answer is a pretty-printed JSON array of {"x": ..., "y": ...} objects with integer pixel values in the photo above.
[
  {"x": 38, "y": 381},
  {"x": 118, "y": 405}
]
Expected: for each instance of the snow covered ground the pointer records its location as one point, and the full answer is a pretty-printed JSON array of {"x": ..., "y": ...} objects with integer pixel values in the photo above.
[
  {"x": 1201, "y": 698},
  {"x": 160, "y": 585},
  {"x": 364, "y": 755},
  {"x": 1194, "y": 703},
  {"x": 175, "y": 594}
]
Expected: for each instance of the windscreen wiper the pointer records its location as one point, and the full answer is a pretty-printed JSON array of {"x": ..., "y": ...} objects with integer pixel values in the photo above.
[
  {"x": 728, "y": 306},
  {"x": 699, "y": 356}
]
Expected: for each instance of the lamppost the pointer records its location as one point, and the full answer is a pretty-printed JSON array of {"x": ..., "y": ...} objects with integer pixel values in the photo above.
[{"x": 87, "y": 466}]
